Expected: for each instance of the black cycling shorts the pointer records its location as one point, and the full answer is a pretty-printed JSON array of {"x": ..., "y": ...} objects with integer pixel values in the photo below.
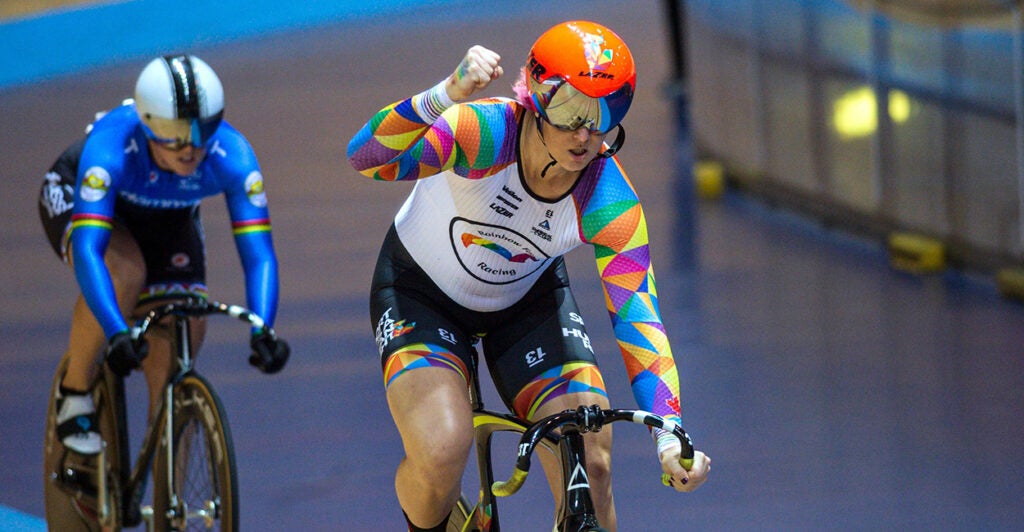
[
  {"x": 541, "y": 332},
  {"x": 171, "y": 240}
]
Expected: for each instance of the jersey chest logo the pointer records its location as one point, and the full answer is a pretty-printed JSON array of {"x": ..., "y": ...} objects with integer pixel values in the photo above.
[{"x": 494, "y": 254}]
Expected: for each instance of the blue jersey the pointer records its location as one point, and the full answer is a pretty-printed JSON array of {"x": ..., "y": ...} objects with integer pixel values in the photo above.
[{"x": 115, "y": 166}]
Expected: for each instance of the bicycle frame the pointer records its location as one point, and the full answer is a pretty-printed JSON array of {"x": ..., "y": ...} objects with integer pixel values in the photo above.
[
  {"x": 485, "y": 424},
  {"x": 160, "y": 428},
  {"x": 184, "y": 364},
  {"x": 576, "y": 504},
  {"x": 576, "y": 511}
]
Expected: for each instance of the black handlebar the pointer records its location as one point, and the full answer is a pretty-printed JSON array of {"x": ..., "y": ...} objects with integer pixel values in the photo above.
[
  {"x": 585, "y": 419},
  {"x": 193, "y": 306}
]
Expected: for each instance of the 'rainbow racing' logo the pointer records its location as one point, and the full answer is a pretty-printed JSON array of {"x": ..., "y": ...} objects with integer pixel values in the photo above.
[
  {"x": 469, "y": 240},
  {"x": 494, "y": 254}
]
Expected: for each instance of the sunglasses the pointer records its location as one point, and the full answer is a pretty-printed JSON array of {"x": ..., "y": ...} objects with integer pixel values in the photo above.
[
  {"x": 177, "y": 134},
  {"x": 610, "y": 150},
  {"x": 566, "y": 108},
  {"x": 574, "y": 124},
  {"x": 175, "y": 145}
]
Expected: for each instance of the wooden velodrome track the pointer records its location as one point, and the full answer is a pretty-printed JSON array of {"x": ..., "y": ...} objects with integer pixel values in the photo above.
[{"x": 831, "y": 391}]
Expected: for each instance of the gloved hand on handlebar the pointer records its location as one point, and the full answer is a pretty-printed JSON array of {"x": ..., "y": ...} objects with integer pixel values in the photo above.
[
  {"x": 125, "y": 354},
  {"x": 269, "y": 353}
]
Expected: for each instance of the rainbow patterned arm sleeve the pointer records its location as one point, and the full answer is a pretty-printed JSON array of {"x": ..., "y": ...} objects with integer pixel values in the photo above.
[
  {"x": 613, "y": 221},
  {"x": 421, "y": 136}
]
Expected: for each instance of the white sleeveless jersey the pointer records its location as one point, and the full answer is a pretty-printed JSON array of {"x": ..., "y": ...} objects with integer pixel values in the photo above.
[{"x": 485, "y": 241}]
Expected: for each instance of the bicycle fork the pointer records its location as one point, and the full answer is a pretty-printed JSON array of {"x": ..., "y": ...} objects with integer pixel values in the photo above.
[
  {"x": 176, "y": 515},
  {"x": 102, "y": 489},
  {"x": 579, "y": 505},
  {"x": 147, "y": 511}
]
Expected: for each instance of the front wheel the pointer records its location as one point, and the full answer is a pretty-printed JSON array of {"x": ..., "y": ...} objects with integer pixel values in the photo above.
[{"x": 201, "y": 491}]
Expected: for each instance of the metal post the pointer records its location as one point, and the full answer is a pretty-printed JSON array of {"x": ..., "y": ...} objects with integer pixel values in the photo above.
[
  {"x": 686, "y": 195},
  {"x": 882, "y": 185},
  {"x": 1018, "y": 90}
]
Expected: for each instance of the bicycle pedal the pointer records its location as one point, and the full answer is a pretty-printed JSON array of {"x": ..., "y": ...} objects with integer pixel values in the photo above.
[
  {"x": 76, "y": 476},
  {"x": 81, "y": 494}
]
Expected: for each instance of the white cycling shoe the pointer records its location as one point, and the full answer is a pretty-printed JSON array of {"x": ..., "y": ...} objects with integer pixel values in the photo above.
[{"x": 76, "y": 424}]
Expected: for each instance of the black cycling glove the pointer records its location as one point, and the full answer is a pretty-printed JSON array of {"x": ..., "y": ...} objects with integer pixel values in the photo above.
[
  {"x": 269, "y": 353},
  {"x": 125, "y": 354}
]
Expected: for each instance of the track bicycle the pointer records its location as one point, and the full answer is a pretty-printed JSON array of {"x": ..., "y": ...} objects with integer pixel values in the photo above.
[
  {"x": 188, "y": 446},
  {"x": 562, "y": 435}
]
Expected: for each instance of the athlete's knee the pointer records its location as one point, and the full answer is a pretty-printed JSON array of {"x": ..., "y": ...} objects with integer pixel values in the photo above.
[
  {"x": 599, "y": 463},
  {"x": 431, "y": 412},
  {"x": 443, "y": 449}
]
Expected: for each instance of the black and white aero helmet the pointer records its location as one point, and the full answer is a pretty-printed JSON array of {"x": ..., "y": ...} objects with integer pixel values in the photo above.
[{"x": 180, "y": 100}]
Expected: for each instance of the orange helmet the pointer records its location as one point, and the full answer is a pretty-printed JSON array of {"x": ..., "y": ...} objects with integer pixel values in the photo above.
[{"x": 581, "y": 74}]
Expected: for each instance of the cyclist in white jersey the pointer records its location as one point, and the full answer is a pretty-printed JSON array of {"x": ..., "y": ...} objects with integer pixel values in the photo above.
[{"x": 504, "y": 188}]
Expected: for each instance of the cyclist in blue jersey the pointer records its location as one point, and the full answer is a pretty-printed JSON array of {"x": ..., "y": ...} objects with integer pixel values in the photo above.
[{"x": 121, "y": 207}]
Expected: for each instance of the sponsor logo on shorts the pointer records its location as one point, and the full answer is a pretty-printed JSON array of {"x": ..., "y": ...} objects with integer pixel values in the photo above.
[
  {"x": 447, "y": 336},
  {"x": 388, "y": 329},
  {"x": 180, "y": 260},
  {"x": 169, "y": 289},
  {"x": 582, "y": 336},
  {"x": 535, "y": 357},
  {"x": 56, "y": 198},
  {"x": 578, "y": 333}
]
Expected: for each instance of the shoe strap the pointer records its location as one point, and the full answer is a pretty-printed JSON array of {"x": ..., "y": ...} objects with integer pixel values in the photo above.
[{"x": 82, "y": 424}]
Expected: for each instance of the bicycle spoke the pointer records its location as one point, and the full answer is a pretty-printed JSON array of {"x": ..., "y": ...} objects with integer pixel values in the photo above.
[
  {"x": 196, "y": 480},
  {"x": 203, "y": 495}
]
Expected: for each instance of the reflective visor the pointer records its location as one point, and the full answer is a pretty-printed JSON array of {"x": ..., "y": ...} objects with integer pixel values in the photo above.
[
  {"x": 181, "y": 132},
  {"x": 568, "y": 108}
]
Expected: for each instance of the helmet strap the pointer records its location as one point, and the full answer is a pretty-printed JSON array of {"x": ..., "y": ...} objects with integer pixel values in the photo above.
[
  {"x": 620, "y": 139},
  {"x": 547, "y": 167},
  {"x": 540, "y": 133}
]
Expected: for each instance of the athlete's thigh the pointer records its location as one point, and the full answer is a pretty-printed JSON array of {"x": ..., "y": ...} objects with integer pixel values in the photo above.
[
  {"x": 412, "y": 334},
  {"x": 427, "y": 363},
  {"x": 542, "y": 354}
]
